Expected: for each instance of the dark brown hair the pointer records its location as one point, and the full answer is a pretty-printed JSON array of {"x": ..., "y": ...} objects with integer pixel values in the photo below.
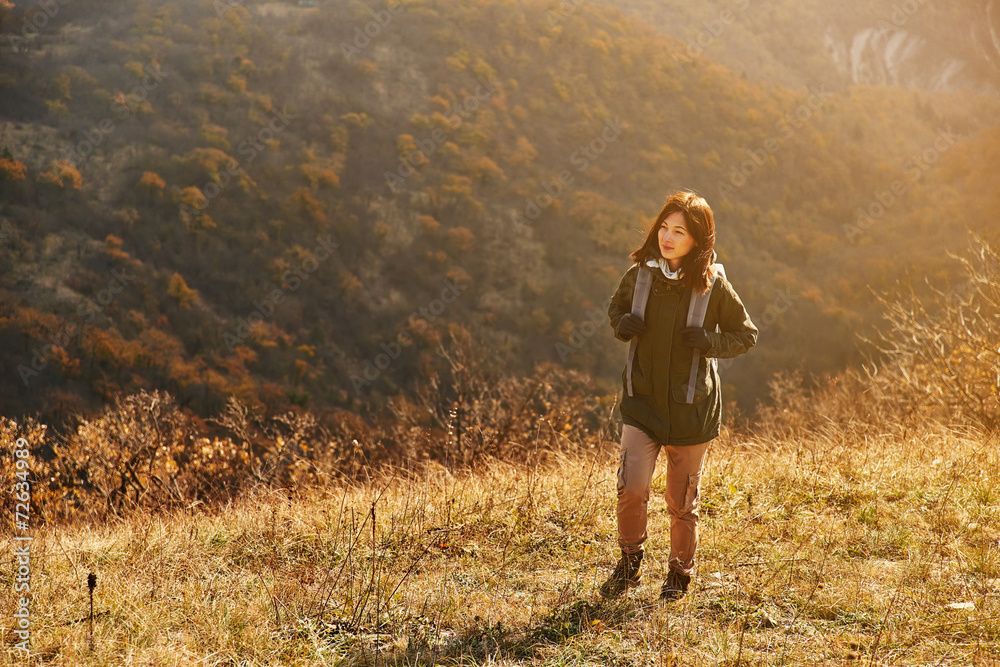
[{"x": 701, "y": 226}]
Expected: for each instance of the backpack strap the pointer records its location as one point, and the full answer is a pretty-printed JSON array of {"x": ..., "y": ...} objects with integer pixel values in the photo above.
[
  {"x": 640, "y": 295},
  {"x": 696, "y": 318}
]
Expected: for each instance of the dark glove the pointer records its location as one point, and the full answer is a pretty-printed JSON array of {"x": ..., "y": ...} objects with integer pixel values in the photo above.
[
  {"x": 696, "y": 337},
  {"x": 630, "y": 325}
]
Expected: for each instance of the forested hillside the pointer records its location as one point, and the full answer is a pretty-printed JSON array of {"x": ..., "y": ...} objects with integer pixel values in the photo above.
[{"x": 297, "y": 205}]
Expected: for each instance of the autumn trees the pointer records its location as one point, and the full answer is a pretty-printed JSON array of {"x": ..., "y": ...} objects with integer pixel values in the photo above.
[{"x": 460, "y": 143}]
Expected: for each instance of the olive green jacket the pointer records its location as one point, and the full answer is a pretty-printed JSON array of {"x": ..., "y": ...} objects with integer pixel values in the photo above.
[{"x": 662, "y": 364}]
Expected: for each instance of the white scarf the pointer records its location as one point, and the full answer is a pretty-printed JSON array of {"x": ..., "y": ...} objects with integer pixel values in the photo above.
[{"x": 663, "y": 266}]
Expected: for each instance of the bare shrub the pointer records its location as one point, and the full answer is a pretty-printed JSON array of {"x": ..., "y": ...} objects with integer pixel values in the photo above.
[
  {"x": 938, "y": 362},
  {"x": 942, "y": 360},
  {"x": 34, "y": 433},
  {"x": 143, "y": 451},
  {"x": 475, "y": 412}
]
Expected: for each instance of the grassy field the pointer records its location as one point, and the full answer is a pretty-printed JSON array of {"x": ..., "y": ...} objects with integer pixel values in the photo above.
[{"x": 838, "y": 546}]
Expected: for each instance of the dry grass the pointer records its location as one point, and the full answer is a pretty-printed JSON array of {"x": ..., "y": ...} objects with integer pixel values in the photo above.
[{"x": 840, "y": 546}]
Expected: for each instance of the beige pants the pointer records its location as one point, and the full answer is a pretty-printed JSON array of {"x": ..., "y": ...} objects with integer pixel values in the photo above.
[{"x": 635, "y": 474}]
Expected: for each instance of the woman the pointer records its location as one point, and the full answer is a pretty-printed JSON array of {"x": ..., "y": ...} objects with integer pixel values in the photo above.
[{"x": 671, "y": 398}]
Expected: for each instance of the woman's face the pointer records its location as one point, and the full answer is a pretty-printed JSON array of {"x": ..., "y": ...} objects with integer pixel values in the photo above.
[{"x": 675, "y": 240}]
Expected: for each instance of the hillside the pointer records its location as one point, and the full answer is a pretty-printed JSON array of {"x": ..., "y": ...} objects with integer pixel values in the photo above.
[{"x": 265, "y": 201}]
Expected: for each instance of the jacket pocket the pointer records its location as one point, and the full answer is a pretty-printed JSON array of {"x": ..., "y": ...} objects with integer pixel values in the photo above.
[
  {"x": 642, "y": 370},
  {"x": 704, "y": 383},
  {"x": 691, "y": 420}
]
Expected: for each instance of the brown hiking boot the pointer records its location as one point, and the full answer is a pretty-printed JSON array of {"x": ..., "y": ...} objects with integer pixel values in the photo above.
[
  {"x": 625, "y": 576},
  {"x": 675, "y": 586}
]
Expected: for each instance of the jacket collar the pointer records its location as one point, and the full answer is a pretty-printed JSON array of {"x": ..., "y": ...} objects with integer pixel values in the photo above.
[{"x": 663, "y": 267}]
